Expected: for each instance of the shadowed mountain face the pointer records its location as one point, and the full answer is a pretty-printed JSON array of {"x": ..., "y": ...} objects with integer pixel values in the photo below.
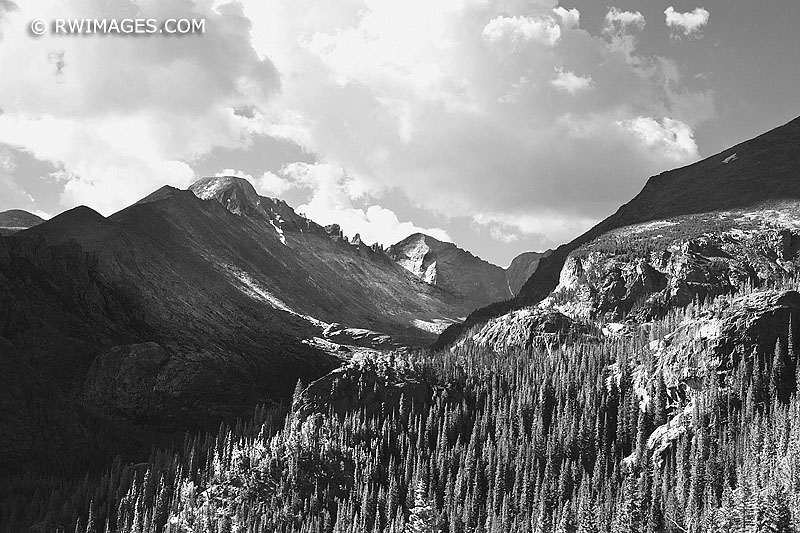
[
  {"x": 522, "y": 267},
  {"x": 760, "y": 174},
  {"x": 329, "y": 278},
  {"x": 202, "y": 300},
  {"x": 445, "y": 265},
  {"x": 160, "y": 271},
  {"x": 474, "y": 280},
  {"x": 16, "y": 220}
]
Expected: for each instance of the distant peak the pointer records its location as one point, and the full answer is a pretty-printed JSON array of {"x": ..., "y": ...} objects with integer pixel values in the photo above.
[
  {"x": 236, "y": 194},
  {"x": 211, "y": 186},
  {"x": 20, "y": 217},
  {"x": 77, "y": 216},
  {"x": 82, "y": 212},
  {"x": 15, "y": 220},
  {"x": 423, "y": 237}
]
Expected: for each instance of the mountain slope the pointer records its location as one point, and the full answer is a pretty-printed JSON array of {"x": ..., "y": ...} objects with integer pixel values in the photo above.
[
  {"x": 166, "y": 257},
  {"x": 756, "y": 175},
  {"x": 765, "y": 170},
  {"x": 331, "y": 279},
  {"x": 522, "y": 267},
  {"x": 476, "y": 281},
  {"x": 17, "y": 220},
  {"x": 240, "y": 295},
  {"x": 445, "y": 265}
]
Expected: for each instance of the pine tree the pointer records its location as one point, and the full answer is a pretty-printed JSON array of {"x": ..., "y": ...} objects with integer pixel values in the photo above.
[
  {"x": 777, "y": 383},
  {"x": 567, "y": 523},
  {"x": 790, "y": 346},
  {"x": 298, "y": 394},
  {"x": 588, "y": 516},
  {"x": 423, "y": 517},
  {"x": 90, "y": 525},
  {"x": 757, "y": 389},
  {"x": 777, "y": 517},
  {"x": 660, "y": 401}
]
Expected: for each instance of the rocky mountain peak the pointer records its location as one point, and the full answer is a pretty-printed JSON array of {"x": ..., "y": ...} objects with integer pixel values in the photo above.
[
  {"x": 445, "y": 265},
  {"x": 236, "y": 194}
]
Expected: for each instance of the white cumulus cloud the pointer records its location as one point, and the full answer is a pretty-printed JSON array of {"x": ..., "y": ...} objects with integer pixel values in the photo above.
[
  {"x": 570, "y": 82},
  {"x": 670, "y": 137},
  {"x": 542, "y": 29},
  {"x": 616, "y": 18},
  {"x": 421, "y": 106},
  {"x": 331, "y": 201},
  {"x": 270, "y": 184},
  {"x": 621, "y": 28},
  {"x": 688, "y": 23},
  {"x": 570, "y": 18},
  {"x": 121, "y": 116}
]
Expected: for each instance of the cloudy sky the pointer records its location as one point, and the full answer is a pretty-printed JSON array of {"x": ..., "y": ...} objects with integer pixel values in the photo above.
[{"x": 502, "y": 125}]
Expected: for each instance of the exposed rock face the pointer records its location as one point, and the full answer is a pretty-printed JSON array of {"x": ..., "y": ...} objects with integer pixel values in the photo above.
[
  {"x": 335, "y": 232},
  {"x": 521, "y": 328},
  {"x": 447, "y": 266},
  {"x": 742, "y": 329},
  {"x": 718, "y": 338},
  {"x": 333, "y": 279},
  {"x": 357, "y": 337},
  {"x": 16, "y": 220},
  {"x": 657, "y": 272},
  {"x": 237, "y": 195}
]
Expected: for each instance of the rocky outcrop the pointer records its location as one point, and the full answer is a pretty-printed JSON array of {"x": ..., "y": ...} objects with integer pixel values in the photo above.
[
  {"x": 642, "y": 283},
  {"x": 714, "y": 341},
  {"x": 522, "y": 328},
  {"x": 719, "y": 337},
  {"x": 371, "y": 383},
  {"x": 237, "y": 195},
  {"x": 357, "y": 337}
]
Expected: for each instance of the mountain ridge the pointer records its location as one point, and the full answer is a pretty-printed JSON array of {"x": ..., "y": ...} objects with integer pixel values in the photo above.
[
  {"x": 765, "y": 169},
  {"x": 235, "y": 297},
  {"x": 15, "y": 220}
]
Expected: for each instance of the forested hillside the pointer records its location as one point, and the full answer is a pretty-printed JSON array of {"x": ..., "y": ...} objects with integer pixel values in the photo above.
[{"x": 690, "y": 423}]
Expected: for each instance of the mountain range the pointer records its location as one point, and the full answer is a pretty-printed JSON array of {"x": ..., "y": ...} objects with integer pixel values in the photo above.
[{"x": 190, "y": 307}]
